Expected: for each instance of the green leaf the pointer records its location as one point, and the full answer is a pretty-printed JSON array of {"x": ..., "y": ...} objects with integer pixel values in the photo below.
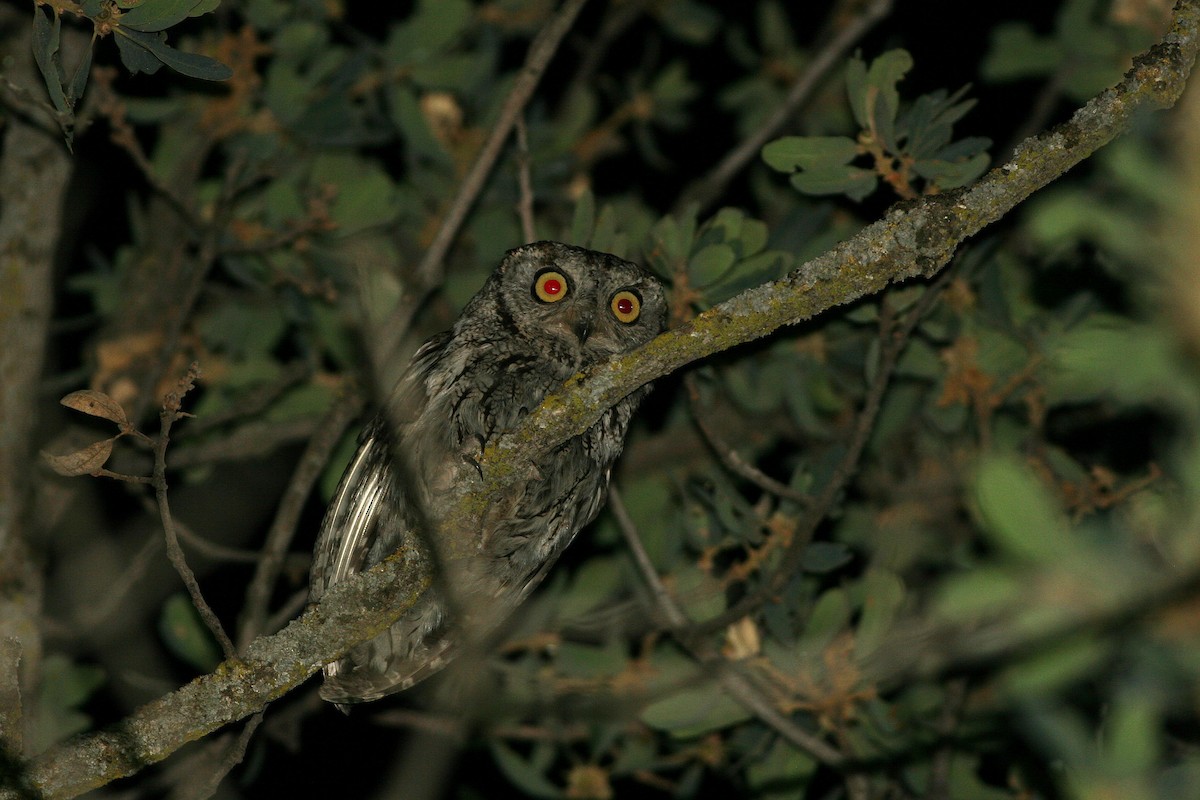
[
  {"x": 185, "y": 635},
  {"x": 1016, "y": 52},
  {"x": 854, "y": 182},
  {"x": 82, "y": 71},
  {"x": 1053, "y": 668},
  {"x": 782, "y": 773},
  {"x": 584, "y": 220},
  {"x": 883, "y": 595},
  {"x": 64, "y": 686},
  {"x": 710, "y": 263},
  {"x": 1133, "y": 731},
  {"x": 1019, "y": 513},
  {"x": 822, "y": 557},
  {"x": 884, "y": 73},
  {"x": 829, "y": 617},
  {"x": 46, "y": 35},
  {"x": 695, "y": 711},
  {"x": 134, "y": 56},
  {"x": 154, "y": 48},
  {"x": 856, "y": 90},
  {"x": 982, "y": 593},
  {"x": 156, "y": 15},
  {"x": 430, "y": 30},
  {"x": 805, "y": 152},
  {"x": 952, "y": 174},
  {"x": 598, "y": 579},
  {"x": 1111, "y": 357},
  {"x": 527, "y": 777}
]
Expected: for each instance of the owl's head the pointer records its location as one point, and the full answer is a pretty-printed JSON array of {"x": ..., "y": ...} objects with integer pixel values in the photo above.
[{"x": 582, "y": 305}]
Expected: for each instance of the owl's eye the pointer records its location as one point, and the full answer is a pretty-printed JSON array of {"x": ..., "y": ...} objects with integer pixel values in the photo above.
[
  {"x": 626, "y": 305},
  {"x": 550, "y": 286}
]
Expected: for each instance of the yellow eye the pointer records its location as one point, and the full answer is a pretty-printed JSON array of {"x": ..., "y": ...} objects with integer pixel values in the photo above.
[
  {"x": 626, "y": 306},
  {"x": 550, "y": 286}
]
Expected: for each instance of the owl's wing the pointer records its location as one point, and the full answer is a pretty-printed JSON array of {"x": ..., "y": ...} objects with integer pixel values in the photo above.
[
  {"x": 365, "y": 522},
  {"x": 352, "y": 520},
  {"x": 362, "y": 503}
]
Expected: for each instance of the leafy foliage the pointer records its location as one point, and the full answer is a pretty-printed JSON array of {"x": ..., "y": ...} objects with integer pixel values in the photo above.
[{"x": 947, "y": 531}]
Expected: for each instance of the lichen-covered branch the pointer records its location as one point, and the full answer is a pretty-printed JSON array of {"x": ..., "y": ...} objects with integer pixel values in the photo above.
[
  {"x": 914, "y": 238},
  {"x": 350, "y": 612}
]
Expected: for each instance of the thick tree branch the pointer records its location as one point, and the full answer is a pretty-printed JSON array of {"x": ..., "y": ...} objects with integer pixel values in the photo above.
[
  {"x": 913, "y": 239},
  {"x": 350, "y": 612}
]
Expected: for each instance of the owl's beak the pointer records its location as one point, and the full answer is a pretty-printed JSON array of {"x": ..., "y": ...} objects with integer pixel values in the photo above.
[{"x": 582, "y": 328}]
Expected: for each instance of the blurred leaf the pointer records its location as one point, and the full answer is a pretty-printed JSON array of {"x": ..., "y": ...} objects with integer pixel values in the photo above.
[
  {"x": 1055, "y": 667},
  {"x": 694, "y": 711},
  {"x": 185, "y": 635},
  {"x": 982, "y": 593},
  {"x": 64, "y": 686},
  {"x": 821, "y": 557},
  {"x": 1117, "y": 358},
  {"x": 689, "y": 21},
  {"x": 883, "y": 595},
  {"x": 1133, "y": 732},
  {"x": 782, "y": 774},
  {"x": 1019, "y": 512},
  {"x": 593, "y": 582},
  {"x": 584, "y": 220},
  {"x": 431, "y": 28},
  {"x": 1016, "y": 52},
  {"x": 528, "y": 778},
  {"x": 830, "y": 616}
]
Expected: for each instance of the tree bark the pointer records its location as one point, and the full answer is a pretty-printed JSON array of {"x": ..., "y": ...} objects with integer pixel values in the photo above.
[{"x": 35, "y": 167}]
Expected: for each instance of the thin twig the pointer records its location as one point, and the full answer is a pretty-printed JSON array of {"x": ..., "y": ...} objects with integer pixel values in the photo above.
[
  {"x": 117, "y": 590},
  {"x": 709, "y": 188},
  {"x": 543, "y": 48},
  {"x": 738, "y": 686},
  {"x": 820, "y": 506},
  {"x": 235, "y": 751},
  {"x": 939, "y": 767},
  {"x": 201, "y": 545},
  {"x": 167, "y": 417},
  {"x": 618, "y": 18},
  {"x": 524, "y": 182},
  {"x": 729, "y": 457},
  {"x": 279, "y": 537}
]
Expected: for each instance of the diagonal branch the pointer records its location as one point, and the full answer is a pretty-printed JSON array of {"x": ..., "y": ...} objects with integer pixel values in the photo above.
[
  {"x": 350, "y": 612},
  {"x": 913, "y": 238}
]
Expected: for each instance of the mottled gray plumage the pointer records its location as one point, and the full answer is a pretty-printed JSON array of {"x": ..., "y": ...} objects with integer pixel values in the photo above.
[{"x": 548, "y": 311}]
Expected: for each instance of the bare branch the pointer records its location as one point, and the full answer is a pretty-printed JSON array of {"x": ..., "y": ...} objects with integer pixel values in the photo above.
[
  {"x": 709, "y": 188},
  {"x": 350, "y": 612},
  {"x": 541, "y": 50}
]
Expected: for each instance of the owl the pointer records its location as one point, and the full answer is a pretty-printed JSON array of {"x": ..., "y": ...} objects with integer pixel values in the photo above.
[{"x": 548, "y": 311}]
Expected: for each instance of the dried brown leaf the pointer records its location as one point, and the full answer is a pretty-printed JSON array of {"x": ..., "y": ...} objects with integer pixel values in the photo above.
[
  {"x": 98, "y": 404},
  {"x": 84, "y": 461}
]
